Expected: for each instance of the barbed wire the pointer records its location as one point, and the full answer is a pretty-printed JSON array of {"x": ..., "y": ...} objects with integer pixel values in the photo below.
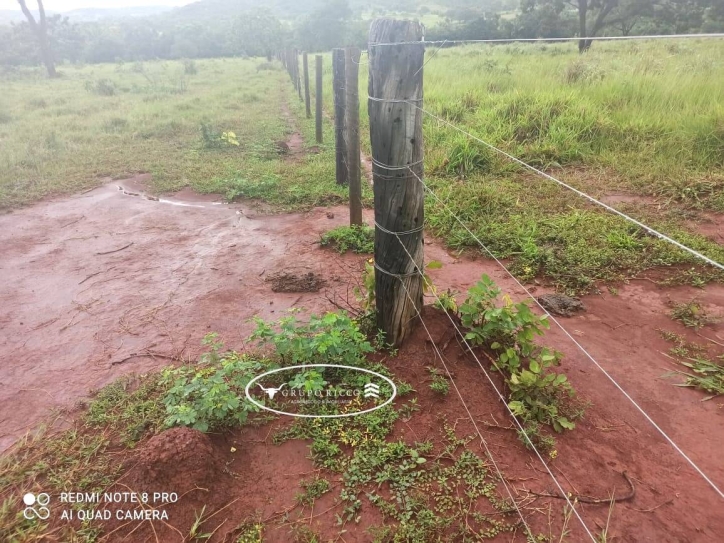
[
  {"x": 551, "y": 40},
  {"x": 521, "y": 429},
  {"x": 575, "y": 342},
  {"x": 580, "y": 193}
]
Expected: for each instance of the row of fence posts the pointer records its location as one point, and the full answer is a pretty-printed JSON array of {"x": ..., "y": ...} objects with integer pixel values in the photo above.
[{"x": 395, "y": 116}]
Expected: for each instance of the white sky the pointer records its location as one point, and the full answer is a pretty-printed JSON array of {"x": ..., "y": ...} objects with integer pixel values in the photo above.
[{"x": 67, "y": 5}]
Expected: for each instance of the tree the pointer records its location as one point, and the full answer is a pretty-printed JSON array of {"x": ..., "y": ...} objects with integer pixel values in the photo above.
[
  {"x": 595, "y": 15},
  {"x": 40, "y": 29},
  {"x": 258, "y": 33}
]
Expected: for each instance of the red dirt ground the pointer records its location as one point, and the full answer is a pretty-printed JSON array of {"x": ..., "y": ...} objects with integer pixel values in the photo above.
[{"x": 96, "y": 284}]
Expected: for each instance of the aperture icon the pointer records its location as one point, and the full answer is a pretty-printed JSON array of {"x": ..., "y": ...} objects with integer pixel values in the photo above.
[{"x": 41, "y": 501}]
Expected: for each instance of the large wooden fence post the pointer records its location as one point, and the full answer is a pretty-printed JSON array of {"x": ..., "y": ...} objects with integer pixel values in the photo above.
[
  {"x": 351, "y": 67},
  {"x": 307, "y": 100},
  {"x": 338, "y": 75},
  {"x": 395, "y": 83},
  {"x": 318, "y": 91}
]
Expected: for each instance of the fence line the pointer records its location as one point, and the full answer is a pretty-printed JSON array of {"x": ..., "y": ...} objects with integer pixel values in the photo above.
[{"x": 576, "y": 343}]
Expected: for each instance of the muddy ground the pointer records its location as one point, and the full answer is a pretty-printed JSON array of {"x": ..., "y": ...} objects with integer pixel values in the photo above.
[{"x": 110, "y": 282}]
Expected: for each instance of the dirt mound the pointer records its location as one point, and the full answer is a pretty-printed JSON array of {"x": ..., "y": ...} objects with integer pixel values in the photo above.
[
  {"x": 290, "y": 282},
  {"x": 179, "y": 458}
]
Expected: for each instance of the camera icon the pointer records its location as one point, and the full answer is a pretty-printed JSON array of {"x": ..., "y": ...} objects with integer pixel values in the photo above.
[{"x": 41, "y": 500}]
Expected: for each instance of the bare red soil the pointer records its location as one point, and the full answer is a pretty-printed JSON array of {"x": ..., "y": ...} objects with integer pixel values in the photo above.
[{"x": 105, "y": 284}]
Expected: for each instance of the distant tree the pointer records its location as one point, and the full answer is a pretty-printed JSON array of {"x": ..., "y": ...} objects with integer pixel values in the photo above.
[
  {"x": 326, "y": 28},
  {"x": 258, "y": 33},
  {"x": 40, "y": 29},
  {"x": 596, "y": 15}
]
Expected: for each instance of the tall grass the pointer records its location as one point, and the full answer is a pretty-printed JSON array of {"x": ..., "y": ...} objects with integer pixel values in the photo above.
[
  {"x": 110, "y": 120},
  {"x": 642, "y": 118}
]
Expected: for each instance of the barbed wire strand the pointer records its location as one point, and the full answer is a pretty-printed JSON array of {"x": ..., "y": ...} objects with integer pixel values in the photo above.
[
  {"x": 576, "y": 343},
  {"x": 529, "y": 442},
  {"x": 552, "y": 40},
  {"x": 577, "y": 191},
  {"x": 470, "y": 415}
]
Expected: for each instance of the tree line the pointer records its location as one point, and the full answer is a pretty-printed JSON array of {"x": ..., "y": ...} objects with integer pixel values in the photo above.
[{"x": 55, "y": 39}]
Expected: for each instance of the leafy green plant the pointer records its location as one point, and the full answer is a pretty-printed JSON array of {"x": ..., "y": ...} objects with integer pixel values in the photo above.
[
  {"x": 213, "y": 139},
  {"x": 313, "y": 490},
  {"x": 535, "y": 392},
  {"x": 331, "y": 339},
  {"x": 439, "y": 383},
  {"x": 691, "y": 314},
  {"x": 210, "y": 395},
  {"x": 358, "y": 239}
]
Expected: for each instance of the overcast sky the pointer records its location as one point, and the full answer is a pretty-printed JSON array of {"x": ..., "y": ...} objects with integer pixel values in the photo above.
[{"x": 66, "y": 5}]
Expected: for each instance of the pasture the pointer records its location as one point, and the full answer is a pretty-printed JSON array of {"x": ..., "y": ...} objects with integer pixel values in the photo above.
[{"x": 136, "y": 317}]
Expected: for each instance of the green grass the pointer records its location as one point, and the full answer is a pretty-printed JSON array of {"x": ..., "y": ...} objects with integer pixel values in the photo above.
[
  {"x": 66, "y": 135},
  {"x": 640, "y": 118},
  {"x": 358, "y": 239}
]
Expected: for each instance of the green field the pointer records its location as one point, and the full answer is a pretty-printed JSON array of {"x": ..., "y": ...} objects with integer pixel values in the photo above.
[
  {"x": 642, "y": 119},
  {"x": 98, "y": 121}
]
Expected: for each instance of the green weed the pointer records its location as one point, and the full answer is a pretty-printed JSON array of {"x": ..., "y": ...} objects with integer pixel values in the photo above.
[
  {"x": 535, "y": 392},
  {"x": 691, "y": 314},
  {"x": 358, "y": 239},
  {"x": 439, "y": 382}
]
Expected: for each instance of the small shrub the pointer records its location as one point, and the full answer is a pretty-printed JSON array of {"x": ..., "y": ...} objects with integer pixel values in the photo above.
[
  {"x": 691, "y": 314},
  {"x": 101, "y": 87},
  {"x": 358, "y": 239},
  {"x": 190, "y": 67},
  {"x": 266, "y": 66},
  {"x": 535, "y": 392},
  {"x": 331, "y": 339},
  {"x": 210, "y": 395},
  {"x": 439, "y": 383},
  {"x": 213, "y": 139},
  {"x": 5, "y": 118}
]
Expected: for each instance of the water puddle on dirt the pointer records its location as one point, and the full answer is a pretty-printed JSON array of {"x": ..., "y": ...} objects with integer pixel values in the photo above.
[{"x": 184, "y": 198}]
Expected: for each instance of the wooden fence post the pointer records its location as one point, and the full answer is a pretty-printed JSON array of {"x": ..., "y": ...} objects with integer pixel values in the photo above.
[
  {"x": 395, "y": 84},
  {"x": 307, "y": 100},
  {"x": 318, "y": 91},
  {"x": 338, "y": 75},
  {"x": 351, "y": 68},
  {"x": 297, "y": 75}
]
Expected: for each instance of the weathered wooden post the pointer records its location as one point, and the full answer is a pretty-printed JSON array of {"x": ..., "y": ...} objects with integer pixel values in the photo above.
[
  {"x": 307, "y": 100},
  {"x": 297, "y": 75},
  {"x": 338, "y": 75},
  {"x": 351, "y": 68},
  {"x": 318, "y": 91},
  {"x": 395, "y": 88}
]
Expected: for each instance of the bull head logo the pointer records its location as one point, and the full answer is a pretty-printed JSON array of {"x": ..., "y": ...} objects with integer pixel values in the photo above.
[{"x": 271, "y": 392}]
